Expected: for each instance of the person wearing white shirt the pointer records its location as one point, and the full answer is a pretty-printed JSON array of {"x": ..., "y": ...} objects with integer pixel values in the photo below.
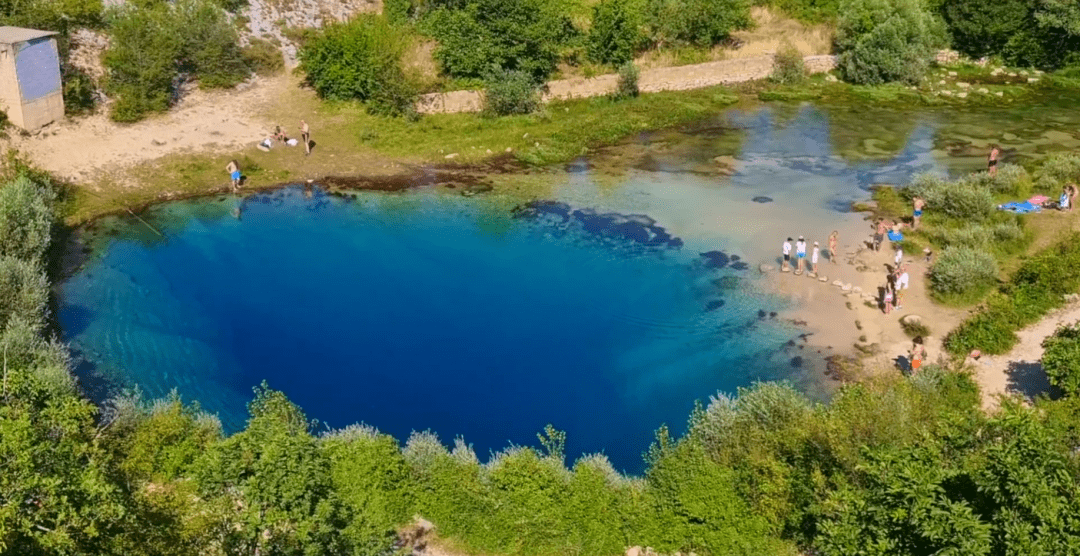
[
  {"x": 899, "y": 257},
  {"x": 901, "y": 285},
  {"x": 787, "y": 256},
  {"x": 814, "y": 257}
]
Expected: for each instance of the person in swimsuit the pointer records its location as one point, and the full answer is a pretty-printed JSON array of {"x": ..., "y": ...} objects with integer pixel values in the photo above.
[
  {"x": 992, "y": 160},
  {"x": 902, "y": 281},
  {"x": 887, "y": 297},
  {"x": 813, "y": 258},
  {"x": 234, "y": 174},
  {"x": 916, "y": 215},
  {"x": 1071, "y": 188},
  {"x": 918, "y": 353},
  {"x": 787, "y": 256},
  {"x": 305, "y": 136},
  {"x": 879, "y": 235},
  {"x": 800, "y": 254},
  {"x": 834, "y": 237}
]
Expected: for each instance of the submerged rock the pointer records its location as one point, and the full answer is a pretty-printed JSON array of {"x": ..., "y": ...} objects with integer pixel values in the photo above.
[
  {"x": 714, "y": 305},
  {"x": 762, "y": 199},
  {"x": 715, "y": 259},
  {"x": 740, "y": 266}
]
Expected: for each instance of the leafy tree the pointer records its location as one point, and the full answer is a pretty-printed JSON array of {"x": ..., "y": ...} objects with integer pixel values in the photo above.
[
  {"x": 278, "y": 480},
  {"x": 25, "y": 218},
  {"x": 525, "y": 36},
  {"x": 360, "y": 60},
  {"x": 700, "y": 23},
  {"x": 881, "y": 41},
  {"x": 1061, "y": 358},
  {"x": 983, "y": 29},
  {"x": 616, "y": 32},
  {"x": 508, "y": 92}
]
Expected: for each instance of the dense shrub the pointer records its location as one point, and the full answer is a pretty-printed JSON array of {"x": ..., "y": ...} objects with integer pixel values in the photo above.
[
  {"x": 152, "y": 48},
  {"x": 808, "y": 11},
  {"x": 509, "y": 92},
  {"x": 1056, "y": 171},
  {"x": 963, "y": 271},
  {"x": 263, "y": 57},
  {"x": 25, "y": 219},
  {"x": 881, "y": 41},
  {"x": 525, "y": 35},
  {"x": 788, "y": 66},
  {"x": 979, "y": 29},
  {"x": 1010, "y": 179},
  {"x": 360, "y": 60},
  {"x": 616, "y": 32},
  {"x": 628, "y": 81},
  {"x": 963, "y": 199},
  {"x": 1041, "y": 33},
  {"x": 700, "y": 23},
  {"x": 24, "y": 289},
  {"x": 1061, "y": 358}
]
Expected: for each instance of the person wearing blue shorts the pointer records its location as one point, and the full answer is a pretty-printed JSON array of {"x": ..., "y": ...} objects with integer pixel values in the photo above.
[
  {"x": 234, "y": 173},
  {"x": 800, "y": 254},
  {"x": 918, "y": 203}
]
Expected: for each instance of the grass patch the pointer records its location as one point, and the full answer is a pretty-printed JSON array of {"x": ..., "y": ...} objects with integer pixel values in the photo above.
[{"x": 914, "y": 328}]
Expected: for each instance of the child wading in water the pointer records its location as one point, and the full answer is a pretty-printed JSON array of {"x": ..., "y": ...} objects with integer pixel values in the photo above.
[{"x": 918, "y": 353}]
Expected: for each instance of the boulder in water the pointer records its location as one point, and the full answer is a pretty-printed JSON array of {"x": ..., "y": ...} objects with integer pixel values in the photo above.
[
  {"x": 762, "y": 199},
  {"x": 766, "y": 268}
]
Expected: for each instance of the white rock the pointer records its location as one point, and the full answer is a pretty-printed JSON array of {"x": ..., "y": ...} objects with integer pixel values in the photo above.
[
  {"x": 633, "y": 551},
  {"x": 1033, "y": 80},
  {"x": 1023, "y": 72},
  {"x": 856, "y": 289},
  {"x": 508, "y": 149},
  {"x": 984, "y": 90},
  {"x": 846, "y": 287},
  {"x": 963, "y": 85},
  {"x": 831, "y": 78},
  {"x": 962, "y": 94},
  {"x": 952, "y": 74},
  {"x": 942, "y": 82},
  {"x": 451, "y": 155},
  {"x": 837, "y": 283},
  {"x": 947, "y": 93},
  {"x": 823, "y": 279},
  {"x": 1000, "y": 93}
]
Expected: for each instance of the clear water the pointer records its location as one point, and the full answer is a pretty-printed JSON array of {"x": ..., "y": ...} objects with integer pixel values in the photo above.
[{"x": 428, "y": 310}]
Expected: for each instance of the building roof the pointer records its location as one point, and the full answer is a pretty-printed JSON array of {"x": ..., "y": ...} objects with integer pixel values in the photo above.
[{"x": 12, "y": 35}]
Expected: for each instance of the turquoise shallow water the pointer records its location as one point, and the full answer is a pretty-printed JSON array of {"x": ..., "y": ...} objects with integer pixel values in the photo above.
[{"x": 594, "y": 312}]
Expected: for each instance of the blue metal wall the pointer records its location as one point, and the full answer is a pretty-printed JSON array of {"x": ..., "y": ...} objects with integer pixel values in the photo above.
[{"x": 38, "y": 68}]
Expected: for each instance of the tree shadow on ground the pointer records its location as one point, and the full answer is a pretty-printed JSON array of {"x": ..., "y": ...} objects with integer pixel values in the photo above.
[{"x": 1027, "y": 378}]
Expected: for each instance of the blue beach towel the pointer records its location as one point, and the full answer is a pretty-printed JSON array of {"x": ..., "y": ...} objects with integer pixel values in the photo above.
[
  {"x": 1020, "y": 208},
  {"x": 895, "y": 236}
]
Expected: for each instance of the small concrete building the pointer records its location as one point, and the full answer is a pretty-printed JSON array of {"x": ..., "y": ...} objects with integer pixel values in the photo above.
[{"x": 30, "y": 89}]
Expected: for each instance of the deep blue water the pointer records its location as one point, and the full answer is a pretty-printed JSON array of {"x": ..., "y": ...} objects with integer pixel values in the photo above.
[{"x": 423, "y": 311}]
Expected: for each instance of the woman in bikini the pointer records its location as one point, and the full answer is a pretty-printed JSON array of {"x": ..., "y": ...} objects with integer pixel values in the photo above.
[
  {"x": 833, "y": 238},
  {"x": 992, "y": 160}
]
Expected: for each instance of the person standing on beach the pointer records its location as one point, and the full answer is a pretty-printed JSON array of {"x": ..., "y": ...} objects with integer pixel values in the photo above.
[
  {"x": 879, "y": 235},
  {"x": 992, "y": 160},
  {"x": 834, "y": 237},
  {"x": 305, "y": 136},
  {"x": 787, "y": 256},
  {"x": 234, "y": 174},
  {"x": 899, "y": 257},
  {"x": 887, "y": 297},
  {"x": 917, "y": 354},
  {"x": 902, "y": 280},
  {"x": 800, "y": 254},
  {"x": 813, "y": 259},
  {"x": 916, "y": 215}
]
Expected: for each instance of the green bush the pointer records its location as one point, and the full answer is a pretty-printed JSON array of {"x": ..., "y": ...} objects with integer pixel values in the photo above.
[
  {"x": 1042, "y": 33},
  {"x": 616, "y": 32},
  {"x": 963, "y": 271},
  {"x": 263, "y": 57},
  {"x": 980, "y": 29},
  {"x": 25, "y": 219},
  {"x": 1061, "y": 358},
  {"x": 962, "y": 199},
  {"x": 788, "y": 66},
  {"x": 882, "y": 41},
  {"x": 525, "y": 35},
  {"x": 79, "y": 90},
  {"x": 628, "y": 81},
  {"x": 151, "y": 47},
  {"x": 360, "y": 60},
  {"x": 509, "y": 92},
  {"x": 24, "y": 290},
  {"x": 1056, "y": 171},
  {"x": 808, "y": 11},
  {"x": 1011, "y": 179},
  {"x": 701, "y": 23}
]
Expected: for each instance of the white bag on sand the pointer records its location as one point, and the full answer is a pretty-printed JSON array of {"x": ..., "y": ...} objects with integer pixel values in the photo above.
[{"x": 291, "y": 142}]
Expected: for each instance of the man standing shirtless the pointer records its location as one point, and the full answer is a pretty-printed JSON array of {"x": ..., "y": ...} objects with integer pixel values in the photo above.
[
  {"x": 305, "y": 136},
  {"x": 992, "y": 160}
]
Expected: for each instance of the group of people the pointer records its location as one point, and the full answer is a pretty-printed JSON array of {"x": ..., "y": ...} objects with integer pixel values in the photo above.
[
  {"x": 896, "y": 282},
  {"x": 233, "y": 168},
  {"x": 815, "y": 254},
  {"x": 279, "y": 135}
]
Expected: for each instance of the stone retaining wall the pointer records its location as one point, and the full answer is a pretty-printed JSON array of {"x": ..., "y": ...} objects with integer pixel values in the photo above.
[{"x": 678, "y": 78}]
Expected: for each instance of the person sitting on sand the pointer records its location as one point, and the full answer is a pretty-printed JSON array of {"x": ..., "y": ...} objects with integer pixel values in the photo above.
[
  {"x": 265, "y": 144},
  {"x": 834, "y": 237},
  {"x": 787, "y": 256},
  {"x": 992, "y": 160},
  {"x": 917, "y": 354},
  {"x": 279, "y": 134},
  {"x": 800, "y": 254},
  {"x": 813, "y": 258},
  {"x": 1063, "y": 201},
  {"x": 916, "y": 215}
]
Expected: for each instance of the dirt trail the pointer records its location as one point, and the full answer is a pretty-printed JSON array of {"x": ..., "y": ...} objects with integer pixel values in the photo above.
[{"x": 83, "y": 149}]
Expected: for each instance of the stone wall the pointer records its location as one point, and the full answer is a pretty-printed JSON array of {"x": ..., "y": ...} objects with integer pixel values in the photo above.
[{"x": 678, "y": 78}]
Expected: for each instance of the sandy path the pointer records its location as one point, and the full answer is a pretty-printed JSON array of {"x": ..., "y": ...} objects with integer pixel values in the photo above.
[
  {"x": 85, "y": 149},
  {"x": 1020, "y": 371}
]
